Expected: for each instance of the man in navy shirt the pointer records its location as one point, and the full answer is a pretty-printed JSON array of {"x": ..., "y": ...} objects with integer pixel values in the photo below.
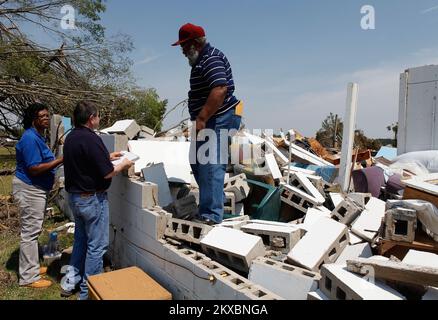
[
  {"x": 216, "y": 112},
  {"x": 88, "y": 172}
]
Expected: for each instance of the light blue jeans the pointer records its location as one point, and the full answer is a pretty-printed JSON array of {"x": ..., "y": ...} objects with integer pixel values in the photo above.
[
  {"x": 91, "y": 240},
  {"x": 210, "y": 176}
]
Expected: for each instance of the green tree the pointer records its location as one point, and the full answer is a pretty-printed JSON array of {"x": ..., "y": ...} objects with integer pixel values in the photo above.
[
  {"x": 394, "y": 128},
  {"x": 146, "y": 107},
  {"x": 330, "y": 134}
]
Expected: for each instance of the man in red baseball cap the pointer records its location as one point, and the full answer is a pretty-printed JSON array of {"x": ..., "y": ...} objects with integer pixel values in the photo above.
[{"x": 214, "y": 108}]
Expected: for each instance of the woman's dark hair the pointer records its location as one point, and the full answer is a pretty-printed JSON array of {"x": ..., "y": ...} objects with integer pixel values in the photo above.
[
  {"x": 31, "y": 113},
  {"x": 82, "y": 112}
]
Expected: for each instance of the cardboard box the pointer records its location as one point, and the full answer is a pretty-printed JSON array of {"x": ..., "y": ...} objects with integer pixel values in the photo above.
[{"x": 126, "y": 284}]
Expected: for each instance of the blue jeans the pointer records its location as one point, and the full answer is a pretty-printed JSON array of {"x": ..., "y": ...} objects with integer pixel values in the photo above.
[
  {"x": 91, "y": 240},
  {"x": 210, "y": 176}
]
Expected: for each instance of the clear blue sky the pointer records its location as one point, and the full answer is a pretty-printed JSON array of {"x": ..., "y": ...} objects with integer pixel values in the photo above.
[{"x": 291, "y": 59}]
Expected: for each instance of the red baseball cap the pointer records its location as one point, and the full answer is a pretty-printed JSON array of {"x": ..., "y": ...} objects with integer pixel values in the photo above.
[{"x": 189, "y": 32}]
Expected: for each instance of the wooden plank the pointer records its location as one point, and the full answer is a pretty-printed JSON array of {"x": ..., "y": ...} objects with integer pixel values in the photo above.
[
  {"x": 395, "y": 271},
  {"x": 414, "y": 194}
]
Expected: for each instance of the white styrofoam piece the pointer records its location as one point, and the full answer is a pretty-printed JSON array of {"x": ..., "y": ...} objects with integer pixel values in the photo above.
[
  {"x": 273, "y": 166},
  {"x": 365, "y": 289},
  {"x": 337, "y": 198},
  {"x": 156, "y": 174},
  {"x": 361, "y": 250},
  {"x": 291, "y": 285},
  {"x": 369, "y": 222},
  {"x": 174, "y": 156},
  {"x": 316, "y": 242}
]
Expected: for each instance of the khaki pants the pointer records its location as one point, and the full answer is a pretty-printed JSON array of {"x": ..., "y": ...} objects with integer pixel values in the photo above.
[{"x": 32, "y": 202}]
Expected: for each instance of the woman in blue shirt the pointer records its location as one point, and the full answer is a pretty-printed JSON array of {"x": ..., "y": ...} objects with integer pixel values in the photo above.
[{"x": 34, "y": 178}]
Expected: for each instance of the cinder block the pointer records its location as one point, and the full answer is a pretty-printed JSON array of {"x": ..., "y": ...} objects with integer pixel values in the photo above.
[
  {"x": 361, "y": 250},
  {"x": 280, "y": 238},
  {"x": 130, "y": 128},
  {"x": 361, "y": 199},
  {"x": 297, "y": 198},
  {"x": 232, "y": 247},
  {"x": 431, "y": 294},
  {"x": 153, "y": 222},
  {"x": 400, "y": 224},
  {"x": 156, "y": 174},
  {"x": 339, "y": 284},
  {"x": 238, "y": 186},
  {"x": 317, "y": 296},
  {"x": 300, "y": 181},
  {"x": 230, "y": 206},
  {"x": 185, "y": 230},
  {"x": 233, "y": 224},
  {"x": 255, "y": 292},
  {"x": 323, "y": 243},
  {"x": 184, "y": 208},
  {"x": 289, "y": 282},
  {"x": 369, "y": 222},
  {"x": 354, "y": 239},
  {"x": 420, "y": 258},
  {"x": 115, "y": 142},
  {"x": 313, "y": 215},
  {"x": 346, "y": 212},
  {"x": 132, "y": 190},
  {"x": 336, "y": 198}
]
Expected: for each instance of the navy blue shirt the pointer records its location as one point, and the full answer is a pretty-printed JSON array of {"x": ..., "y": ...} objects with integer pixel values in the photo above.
[
  {"x": 86, "y": 162},
  {"x": 32, "y": 150},
  {"x": 211, "y": 70}
]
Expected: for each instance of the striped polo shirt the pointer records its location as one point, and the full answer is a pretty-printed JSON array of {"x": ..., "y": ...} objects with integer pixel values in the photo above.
[{"x": 211, "y": 70}]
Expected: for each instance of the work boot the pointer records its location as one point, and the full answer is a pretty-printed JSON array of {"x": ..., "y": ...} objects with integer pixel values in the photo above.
[
  {"x": 39, "y": 284},
  {"x": 43, "y": 271}
]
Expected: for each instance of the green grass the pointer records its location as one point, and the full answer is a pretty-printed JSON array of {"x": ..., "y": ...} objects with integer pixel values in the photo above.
[{"x": 9, "y": 249}]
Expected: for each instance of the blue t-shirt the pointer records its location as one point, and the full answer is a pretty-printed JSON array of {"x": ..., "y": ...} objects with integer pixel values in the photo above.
[
  {"x": 31, "y": 151},
  {"x": 211, "y": 70}
]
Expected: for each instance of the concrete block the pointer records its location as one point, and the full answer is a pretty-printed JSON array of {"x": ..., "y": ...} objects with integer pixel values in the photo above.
[
  {"x": 368, "y": 224},
  {"x": 140, "y": 194},
  {"x": 431, "y": 294},
  {"x": 346, "y": 212},
  {"x": 153, "y": 222},
  {"x": 323, "y": 209},
  {"x": 301, "y": 182},
  {"x": 184, "y": 208},
  {"x": 336, "y": 198},
  {"x": 156, "y": 174},
  {"x": 238, "y": 186},
  {"x": 400, "y": 224},
  {"x": 313, "y": 215},
  {"x": 280, "y": 238},
  {"x": 272, "y": 166},
  {"x": 354, "y": 239},
  {"x": 297, "y": 198},
  {"x": 323, "y": 243},
  {"x": 186, "y": 230},
  {"x": 317, "y": 295},
  {"x": 115, "y": 142},
  {"x": 230, "y": 203},
  {"x": 289, "y": 282},
  {"x": 255, "y": 292},
  {"x": 339, "y": 284},
  {"x": 232, "y": 247},
  {"x": 130, "y": 128},
  {"x": 361, "y": 199},
  {"x": 233, "y": 224},
  {"x": 361, "y": 250},
  {"x": 420, "y": 258}
]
